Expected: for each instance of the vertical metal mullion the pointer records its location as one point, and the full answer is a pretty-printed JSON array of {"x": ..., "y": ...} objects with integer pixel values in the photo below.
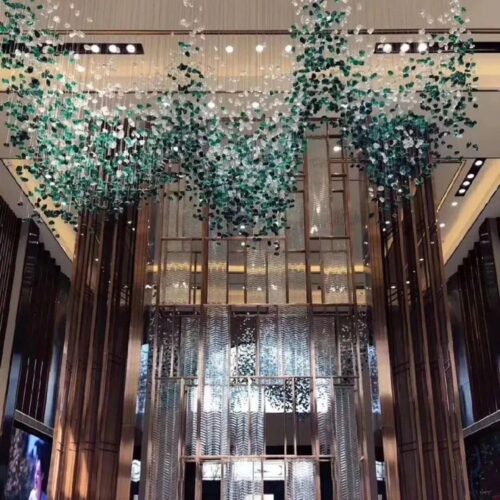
[
  {"x": 199, "y": 403},
  {"x": 314, "y": 406},
  {"x": 307, "y": 230},
  {"x": 181, "y": 449},
  {"x": 245, "y": 277},
  {"x": 335, "y": 444}
]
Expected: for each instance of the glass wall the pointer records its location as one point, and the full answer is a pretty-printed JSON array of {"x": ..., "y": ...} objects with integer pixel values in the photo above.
[{"x": 257, "y": 348}]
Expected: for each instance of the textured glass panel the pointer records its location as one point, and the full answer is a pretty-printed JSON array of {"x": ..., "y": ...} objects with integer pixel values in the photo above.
[
  {"x": 170, "y": 218},
  {"x": 239, "y": 420},
  {"x": 276, "y": 277},
  {"x": 325, "y": 345},
  {"x": 319, "y": 189},
  {"x": 271, "y": 362},
  {"x": 257, "y": 403},
  {"x": 246, "y": 420},
  {"x": 294, "y": 333},
  {"x": 347, "y": 346},
  {"x": 190, "y": 337},
  {"x": 295, "y": 222},
  {"x": 347, "y": 443},
  {"x": 296, "y": 278},
  {"x": 191, "y": 227},
  {"x": 167, "y": 344},
  {"x": 191, "y": 420},
  {"x": 256, "y": 273},
  {"x": 337, "y": 201},
  {"x": 175, "y": 273},
  {"x": 324, "y": 404},
  {"x": 217, "y": 344},
  {"x": 217, "y": 272},
  {"x": 242, "y": 480},
  {"x": 166, "y": 430},
  {"x": 300, "y": 483},
  {"x": 335, "y": 267},
  {"x": 214, "y": 425},
  {"x": 243, "y": 346}
]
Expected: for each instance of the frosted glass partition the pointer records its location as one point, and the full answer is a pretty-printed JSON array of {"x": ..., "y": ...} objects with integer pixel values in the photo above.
[
  {"x": 310, "y": 261},
  {"x": 244, "y": 389},
  {"x": 254, "y": 347}
]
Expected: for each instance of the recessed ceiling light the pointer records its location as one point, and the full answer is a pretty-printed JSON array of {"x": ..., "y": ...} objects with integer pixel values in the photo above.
[
  {"x": 462, "y": 191},
  {"x": 478, "y": 163},
  {"x": 454, "y": 203},
  {"x": 259, "y": 48},
  {"x": 211, "y": 105},
  {"x": 255, "y": 105},
  {"x": 442, "y": 225},
  {"x": 229, "y": 49},
  {"x": 95, "y": 48},
  {"x": 466, "y": 183},
  {"x": 422, "y": 47},
  {"x": 337, "y": 148},
  {"x": 405, "y": 47},
  {"x": 114, "y": 49},
  {"x": 288, "y": 48},
  {"x": 387, "y": 48},
  {"x": 131, "y": 48},
  {"x": 470, "y": 176}
]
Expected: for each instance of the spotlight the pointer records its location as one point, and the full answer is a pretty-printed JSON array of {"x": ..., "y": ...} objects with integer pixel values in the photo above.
[
  {"x": 387, "y": 48},
  {"x": 422, "y": 47},
  {"x": 131, "y": 48},
  {"x": 288, "y": 49},
  {"x": 114, "y": 49},
  {"x": 211, "y": 105},
  {"x": 255, "y": 105},
  {"x": 229, "y": 49},
  {"x": 454, "y": 203},
  {"x": 95, "y": 48},
  {"x": 259, "y": 48},
  {"x": 442, "y": 225},
  {"x": 466, "y": 183},
  {"x": 470, "y": 176},
  {"x": 462, "y": 191},
  {"x": 478, "y": 163},
  {"x": 405, "y": 47},
  {"x": 337, "y": 148}
]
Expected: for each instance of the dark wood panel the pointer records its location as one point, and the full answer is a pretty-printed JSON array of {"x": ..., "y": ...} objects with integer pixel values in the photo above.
[
  {"x": 474, "y": 297},
  {"x": 430, "y": 448},
  {"x": 9, "y": 236},
  {"x": 88, "y": 430}
]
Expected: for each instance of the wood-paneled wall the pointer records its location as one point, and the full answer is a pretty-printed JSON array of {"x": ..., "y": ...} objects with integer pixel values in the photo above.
[
  {"x": 36, "y": 326},
  {"x": 9, "y": 235},
  {"x": 88, "y": 431},
  {"x": 411, "y": 312},
  {"x": 474, "y": 297}
]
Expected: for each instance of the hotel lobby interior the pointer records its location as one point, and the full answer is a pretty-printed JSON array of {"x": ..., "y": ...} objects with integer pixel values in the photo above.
[{"x": 250, "y": 249}]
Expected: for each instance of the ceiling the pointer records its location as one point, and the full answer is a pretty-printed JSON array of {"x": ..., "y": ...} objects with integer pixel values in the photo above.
[{"x": 158, "y": 25}]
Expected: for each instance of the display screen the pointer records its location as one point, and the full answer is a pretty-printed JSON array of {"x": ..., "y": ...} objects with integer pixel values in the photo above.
[{"x": 29, "y": 462}]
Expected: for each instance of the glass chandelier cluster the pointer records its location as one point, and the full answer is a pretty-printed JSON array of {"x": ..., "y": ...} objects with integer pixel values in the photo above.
[{"x": 240, "y": 168}]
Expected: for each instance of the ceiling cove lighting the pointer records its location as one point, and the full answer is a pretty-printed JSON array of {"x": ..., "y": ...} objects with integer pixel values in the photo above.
[
  {"x": 424, "y": 47},
  {"x": 477, "y": 164},
  {"x": 82, "y": 48}
]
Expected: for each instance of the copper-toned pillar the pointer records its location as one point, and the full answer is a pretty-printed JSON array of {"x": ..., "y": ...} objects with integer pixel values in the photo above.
[
  {"x": 89, "y": 428},
  {"x": 408, "y": 281}
]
